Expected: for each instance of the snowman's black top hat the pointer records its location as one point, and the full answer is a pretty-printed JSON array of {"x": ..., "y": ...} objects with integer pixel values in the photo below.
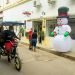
[{"x": 63, "y": 12}]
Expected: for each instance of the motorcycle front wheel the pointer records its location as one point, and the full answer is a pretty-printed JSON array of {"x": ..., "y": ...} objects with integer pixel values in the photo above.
[{"x": 18, "y": 63}]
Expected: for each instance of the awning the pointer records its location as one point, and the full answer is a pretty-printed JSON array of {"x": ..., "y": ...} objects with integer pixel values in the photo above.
[{"x": 10, "y": 23}]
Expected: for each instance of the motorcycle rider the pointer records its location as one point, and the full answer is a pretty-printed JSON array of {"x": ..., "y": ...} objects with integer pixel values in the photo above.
[{"x": 10, "y": 35}]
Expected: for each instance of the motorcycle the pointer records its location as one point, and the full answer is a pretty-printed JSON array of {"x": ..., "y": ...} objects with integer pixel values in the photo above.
[{"x": 9, "y": 50}]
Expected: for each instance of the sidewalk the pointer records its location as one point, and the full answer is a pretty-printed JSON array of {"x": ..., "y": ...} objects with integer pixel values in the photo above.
[{"x": 69, "y": 55}]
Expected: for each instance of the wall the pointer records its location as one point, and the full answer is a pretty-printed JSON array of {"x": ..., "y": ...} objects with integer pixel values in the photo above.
[
  {"x": 50, "y": 10},
  {"x": 15, "y": 14}
]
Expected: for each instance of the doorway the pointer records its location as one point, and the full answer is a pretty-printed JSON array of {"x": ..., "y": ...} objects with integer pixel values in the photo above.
[{"x": 37, "y": 25}]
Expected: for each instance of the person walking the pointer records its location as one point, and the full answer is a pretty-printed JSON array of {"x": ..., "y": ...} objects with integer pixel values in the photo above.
[
  {"x": 10, "y": 35},
  {"x": 34, "y": 40},
  {"x": 30, "y": 38}
]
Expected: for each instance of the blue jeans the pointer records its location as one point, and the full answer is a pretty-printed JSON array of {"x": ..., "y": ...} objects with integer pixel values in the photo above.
[{"x": 34, "y": 42}]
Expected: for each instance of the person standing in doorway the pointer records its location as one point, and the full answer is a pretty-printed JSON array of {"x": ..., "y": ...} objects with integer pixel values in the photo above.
[
  {"x": 21, "y": 32},
  {"x": 41, "y": 35},
  {"x": 34, "y": 40}
]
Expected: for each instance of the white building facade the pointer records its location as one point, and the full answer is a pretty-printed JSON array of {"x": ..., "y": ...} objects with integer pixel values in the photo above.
[
  {"x": 41, "y": 9},
  {"x": 40, "y": 14}
]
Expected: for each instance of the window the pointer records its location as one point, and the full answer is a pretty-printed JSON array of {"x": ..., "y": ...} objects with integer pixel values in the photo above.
[
  {"x": 50, "y": 25},
  {"x": 72, "y": 24}
]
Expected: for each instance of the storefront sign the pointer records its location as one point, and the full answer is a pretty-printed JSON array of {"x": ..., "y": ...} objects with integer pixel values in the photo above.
[{"x": 27, "y": 13}]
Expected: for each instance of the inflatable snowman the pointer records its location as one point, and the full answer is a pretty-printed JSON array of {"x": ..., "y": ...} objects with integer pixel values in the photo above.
[{"x": 62, "y": 41}]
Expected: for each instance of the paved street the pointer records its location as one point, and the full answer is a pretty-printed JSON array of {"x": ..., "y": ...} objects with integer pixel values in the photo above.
[{"x": 38, "y": 63}]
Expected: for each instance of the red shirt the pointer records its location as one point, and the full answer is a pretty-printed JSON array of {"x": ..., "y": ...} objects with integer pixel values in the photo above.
[{"x": 30, "y": 35}]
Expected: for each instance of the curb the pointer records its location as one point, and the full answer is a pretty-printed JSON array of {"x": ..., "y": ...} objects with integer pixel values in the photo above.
[{"x": 53, "y": 52}]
